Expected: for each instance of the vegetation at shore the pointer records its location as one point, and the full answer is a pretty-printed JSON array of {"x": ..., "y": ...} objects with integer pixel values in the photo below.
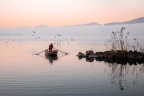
[
  {"x": 120, "y": 40},
  {"x": 119, "y": 48}
]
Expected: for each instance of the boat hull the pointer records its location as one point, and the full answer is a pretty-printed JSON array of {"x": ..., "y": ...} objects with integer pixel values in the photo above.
[{"x": 51, "y": 53}]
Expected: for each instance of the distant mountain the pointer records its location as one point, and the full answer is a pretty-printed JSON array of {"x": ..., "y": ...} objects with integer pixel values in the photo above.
[
  {"x": 87, "y": 24},
  {"x": 41, "y": 26},
  {"x": 134, "y": 21}
]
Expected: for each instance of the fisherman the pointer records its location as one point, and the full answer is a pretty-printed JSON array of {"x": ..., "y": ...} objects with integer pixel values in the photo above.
[{"x": 50, "y": 47}]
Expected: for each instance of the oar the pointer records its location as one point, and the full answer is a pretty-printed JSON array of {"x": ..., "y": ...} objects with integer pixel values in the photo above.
[
  {"x": 40, "y": 52},
  {"x": 61, "y": 51}
]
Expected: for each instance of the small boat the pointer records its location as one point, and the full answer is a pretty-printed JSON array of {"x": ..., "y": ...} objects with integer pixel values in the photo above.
[
  {"x": 51, "y": 53},
  {"x": 51, "y": 57}
]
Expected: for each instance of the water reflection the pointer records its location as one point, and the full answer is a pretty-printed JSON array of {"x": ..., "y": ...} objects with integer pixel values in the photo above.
[
  {"x": 122, "y": 61},
  {"x": 87, "y": 59},
  {"x": 123, "y": 73},
  {"x": 118, "y": 61}
]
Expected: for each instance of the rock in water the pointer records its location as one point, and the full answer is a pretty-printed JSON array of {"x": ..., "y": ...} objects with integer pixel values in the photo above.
[
  {"x": 80, "y": 54},
  {"x": 90, "y": 52}
]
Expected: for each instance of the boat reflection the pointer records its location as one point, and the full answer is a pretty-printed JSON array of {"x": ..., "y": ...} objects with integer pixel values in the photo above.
[{"x": 51, "y": 58}]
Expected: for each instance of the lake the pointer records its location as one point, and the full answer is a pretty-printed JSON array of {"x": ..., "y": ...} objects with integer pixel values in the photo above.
[{"x": 22, "y": 73}]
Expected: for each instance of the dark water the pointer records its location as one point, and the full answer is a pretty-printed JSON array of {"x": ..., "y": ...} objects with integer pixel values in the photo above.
[{"x": 24, "y": 74}]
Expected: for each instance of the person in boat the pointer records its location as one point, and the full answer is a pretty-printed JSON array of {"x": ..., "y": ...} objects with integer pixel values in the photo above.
[{"x": 50, "y": 47}]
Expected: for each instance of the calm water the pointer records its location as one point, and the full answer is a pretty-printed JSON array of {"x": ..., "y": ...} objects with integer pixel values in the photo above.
[{"x": 24, "y": 74}]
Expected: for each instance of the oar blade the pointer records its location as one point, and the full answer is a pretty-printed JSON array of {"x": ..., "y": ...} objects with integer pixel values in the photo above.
[{"x": 40, "y": 52}]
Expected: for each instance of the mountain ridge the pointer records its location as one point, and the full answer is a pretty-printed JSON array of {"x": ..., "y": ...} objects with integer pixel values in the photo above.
[
  {"x": 133, "y": 21},
  {"x": 87, "y": 24},
  {"x": 139, "y": 20}
]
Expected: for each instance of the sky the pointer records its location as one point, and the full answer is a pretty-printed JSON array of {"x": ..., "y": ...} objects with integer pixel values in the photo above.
[{"x": 14, "y": 13}]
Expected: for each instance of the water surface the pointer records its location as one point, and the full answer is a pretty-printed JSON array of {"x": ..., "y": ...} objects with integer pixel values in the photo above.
[{"x": 24, "y": 74}]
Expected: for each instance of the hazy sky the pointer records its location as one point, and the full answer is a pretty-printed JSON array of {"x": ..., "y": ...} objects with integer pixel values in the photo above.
[{"x": 67, "y": 12}]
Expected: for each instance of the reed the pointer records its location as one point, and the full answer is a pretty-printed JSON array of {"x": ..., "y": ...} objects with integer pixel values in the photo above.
[{"x": 119, "y": 41}]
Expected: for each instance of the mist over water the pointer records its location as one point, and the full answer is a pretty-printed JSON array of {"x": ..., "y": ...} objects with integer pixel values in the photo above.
[
  {"x": 94, "y": 31},
  {"x": 22, "y": 73}
]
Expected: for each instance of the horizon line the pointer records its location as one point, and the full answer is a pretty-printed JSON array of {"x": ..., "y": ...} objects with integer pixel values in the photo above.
[{"x": 77, "y": 24}]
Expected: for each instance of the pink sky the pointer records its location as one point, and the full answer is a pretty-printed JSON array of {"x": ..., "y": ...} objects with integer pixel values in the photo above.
[{"x": 15, "y": 13}]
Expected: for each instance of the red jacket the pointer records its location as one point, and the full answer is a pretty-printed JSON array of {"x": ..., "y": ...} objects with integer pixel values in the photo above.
[{"x": 50, "y": 47}]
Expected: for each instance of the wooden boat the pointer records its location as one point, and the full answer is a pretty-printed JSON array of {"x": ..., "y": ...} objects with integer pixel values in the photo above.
[{"x": 51, "y": 53}]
